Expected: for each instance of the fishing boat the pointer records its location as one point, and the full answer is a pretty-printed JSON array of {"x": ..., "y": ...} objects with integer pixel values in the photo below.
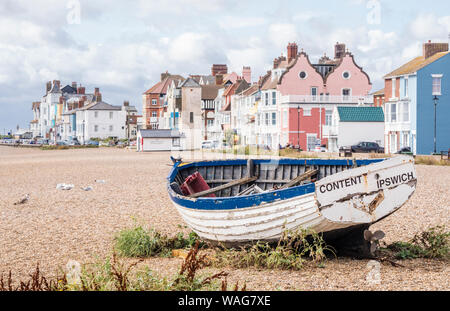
[{"x": 257, "y": 200}]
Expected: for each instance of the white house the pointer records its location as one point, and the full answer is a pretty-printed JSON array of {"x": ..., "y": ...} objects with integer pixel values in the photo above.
[
  {"x": 351, "y": 125},
  {"x": 158, "y": 140},
  {"x": 100, "y": 120}
]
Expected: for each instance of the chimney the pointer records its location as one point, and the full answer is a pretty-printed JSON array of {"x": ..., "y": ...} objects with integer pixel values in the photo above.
[
  {"x": 292, "y": 51},
  {"x": 81, "y": 90},
  {"x": 126, "y": 104},
  {"x": 219, "y": 79},
  {"x": 165, "y": 75},
  {"x": 219, "y": 69},
  {"x": 339, "y": 50},
  {"x": 74, "y": 85},
  {"x": 430, "y": 49},
  {"x": 81, "y": 102},
  {"x": 97, "y": 95},
  {"x": 48, "y": 87},
  {"x": 247, "y": 74},
  {"x": 275, "y": 63}
]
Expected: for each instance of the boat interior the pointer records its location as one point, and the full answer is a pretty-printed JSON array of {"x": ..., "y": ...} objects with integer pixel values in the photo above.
[{"x": 246, "y": 177}]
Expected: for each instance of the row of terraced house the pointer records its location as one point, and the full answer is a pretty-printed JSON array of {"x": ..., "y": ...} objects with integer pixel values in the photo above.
[
  {"x": 292, "y": 104},
  {"x": 303, "y": 104},
  {"x": 69, "y": 113}
]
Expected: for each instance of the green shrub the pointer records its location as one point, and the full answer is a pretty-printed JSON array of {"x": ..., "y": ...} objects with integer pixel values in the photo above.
[
  {"x": 141, "y": 243},
  {"x": 290, "y": 253},
  {"x": 433, "y": 243}
]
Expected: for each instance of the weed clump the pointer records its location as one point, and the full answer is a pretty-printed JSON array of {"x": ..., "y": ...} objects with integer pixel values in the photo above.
[
  {"x": 139, "y": 242},
  {"x": 433, "y": 243},
  {"x": 290, "y": 253}
]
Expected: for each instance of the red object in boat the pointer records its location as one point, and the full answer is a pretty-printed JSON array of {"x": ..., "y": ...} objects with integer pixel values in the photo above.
[{"x": 195, "y": 184}]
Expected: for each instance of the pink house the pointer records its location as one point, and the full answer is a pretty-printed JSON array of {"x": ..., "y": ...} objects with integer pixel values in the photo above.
[{"x": 308, "y": 94}]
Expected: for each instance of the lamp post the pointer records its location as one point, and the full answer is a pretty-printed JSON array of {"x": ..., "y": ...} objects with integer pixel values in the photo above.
[
  {"x": 84, "y": 141},
  {"x": 298, "y": 126},
  {"x": 436, "y": 99}
]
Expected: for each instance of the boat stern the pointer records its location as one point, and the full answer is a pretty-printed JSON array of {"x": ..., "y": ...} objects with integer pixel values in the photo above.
[{"x": 367, "y": 194}]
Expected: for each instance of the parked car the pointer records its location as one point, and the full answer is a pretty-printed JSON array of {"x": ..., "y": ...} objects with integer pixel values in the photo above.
[
  {"x": 61, "y": 143},
  {"x": 42, "y": 141},
  {"x": 406, "y": 150},
  {"x": 72, "y": 142},
  {"x": 207, "y": 144},
  {"x": 92, "y": 143},
  {"x": 363, "y": 147},
  {"x": 320, "y": 148}
]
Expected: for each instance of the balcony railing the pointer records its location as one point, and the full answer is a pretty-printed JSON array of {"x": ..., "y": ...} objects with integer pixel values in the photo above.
[{"x": 324, "y": 99}]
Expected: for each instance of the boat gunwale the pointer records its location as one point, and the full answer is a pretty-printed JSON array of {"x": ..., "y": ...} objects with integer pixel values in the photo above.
[{"x": 248, "y": 201}]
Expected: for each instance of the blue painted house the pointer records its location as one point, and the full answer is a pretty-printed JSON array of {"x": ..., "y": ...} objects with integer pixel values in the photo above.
[{"x": 409, "y": 109}]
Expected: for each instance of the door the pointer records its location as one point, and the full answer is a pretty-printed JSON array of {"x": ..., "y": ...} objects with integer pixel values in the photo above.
[{"x": 311, "y": 141}]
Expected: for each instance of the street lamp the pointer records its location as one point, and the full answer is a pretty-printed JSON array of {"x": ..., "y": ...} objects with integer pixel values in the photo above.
[
  {"x": 436, "y": 99},
  {"x": 298, "y": 126},
  {"x": 436, "y": 91},
  {"x": 84, "y": 141}
]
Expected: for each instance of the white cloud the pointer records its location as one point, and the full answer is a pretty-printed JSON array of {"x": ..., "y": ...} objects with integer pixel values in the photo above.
[
  {"x": 378, "y": 39},
  {"x": 187, "y": 47},
  {"x": 281, "y": 34},
  {"x": 430, "y": 27}
]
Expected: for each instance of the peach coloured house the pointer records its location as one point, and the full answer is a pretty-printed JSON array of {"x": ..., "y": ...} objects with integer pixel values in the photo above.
[{"x": 308, "y": 93}]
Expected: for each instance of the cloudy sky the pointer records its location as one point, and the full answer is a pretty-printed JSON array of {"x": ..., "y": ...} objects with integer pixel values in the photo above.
[{"x": 123, "y": 46}]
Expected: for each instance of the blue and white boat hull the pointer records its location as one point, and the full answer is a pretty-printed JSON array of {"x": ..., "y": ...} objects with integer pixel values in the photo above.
[{"x": 350, "y": 198}]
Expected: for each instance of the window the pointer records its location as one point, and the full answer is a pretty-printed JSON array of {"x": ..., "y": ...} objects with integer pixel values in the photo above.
[
  {"x": 209, "y": 122},
  {"x": 274, "y": 98},
  {"x": 346, "y": 93},
  {"x": 307, "y": 112},
  {"x": 111, "y": 128},
  {"x": 387, "y": 112},
  {"x": 285, "y": 118},
  {"x": 153, "y": 114},
  {"x": 406, "y": 91},
  {"x": 154, "y": 101},
  {"x": 303, "y": 75},
  {"x": 266, "y": 119},
  {"x": 176, "y": 142},
  {"x": 393, "y": 112},
  {"x": 437, "y": 81},
  {"x": 191, "y": 117},
  {"x": 111, "y": 114},
  {"x": 96, "y": 114},
  {"x": 328, "y": 117},
  {"x": 346, "y": 75},
  {"x": 394, "y": 85},
  {"x": 274, "y": 118},
  {"x": 266, "y": 99},
  {"x": 405, "y": 112},
  {"x": 95, "y": 128}
]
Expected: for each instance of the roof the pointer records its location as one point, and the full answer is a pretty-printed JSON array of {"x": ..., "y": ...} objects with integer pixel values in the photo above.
[
  {"x": 161, "y": 87},
  {"x": 378, "y": 93},
  {"x": 415, "y": 65},
  {"x": 361, "y": 114},
  {"x": 190, "y": 82},
  {"x": 251, "y": 90},
  {"x": 269, "y": 83},
  {"x": 69, "y": 89},
  {"x": 101, "y": 106},
  {"x": 160, "y": 133},
  {"x": 209, "y": 92}
]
